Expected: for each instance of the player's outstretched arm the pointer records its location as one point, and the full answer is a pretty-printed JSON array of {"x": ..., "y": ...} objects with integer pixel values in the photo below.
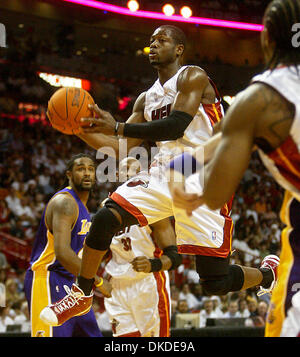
[
  {"x": 258, "y": 115},
  {"x": 191, "y": 85},
  {"x": 165, "y": 238}
]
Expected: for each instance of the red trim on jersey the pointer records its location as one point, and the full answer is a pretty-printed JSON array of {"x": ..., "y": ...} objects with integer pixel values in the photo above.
[
  {"x": 163, "y": 304},
  {"x": 121, "y": 201},
  {"x": 224, "y": 249},
  {"x": 215, "y": 89},
  {"x": 157, "y": 252},
  {"x": 287, "y": 160},
  {"x": 214, "y": 112}
]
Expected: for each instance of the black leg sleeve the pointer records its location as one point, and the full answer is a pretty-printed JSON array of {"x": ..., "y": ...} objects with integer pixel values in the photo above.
[{"x": 104, "y": 226}]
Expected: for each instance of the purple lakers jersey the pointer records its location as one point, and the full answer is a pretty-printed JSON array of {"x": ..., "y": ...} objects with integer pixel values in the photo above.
[{"x": 43, "y": 254}]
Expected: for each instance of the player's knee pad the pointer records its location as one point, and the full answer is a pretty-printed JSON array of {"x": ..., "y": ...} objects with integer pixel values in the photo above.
[
  {"x": 215, "y": 287},
  {"x": 104, "y": 226},
  {"x": 127, "y": 218},
  {"x": 222, "y": 285}
]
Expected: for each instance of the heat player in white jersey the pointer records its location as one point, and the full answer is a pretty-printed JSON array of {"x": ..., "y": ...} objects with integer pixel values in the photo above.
[
  {"x": 140, "y": 301},
  {"x": 266, "y": 116},
  {"x": 180, "y": 111}
]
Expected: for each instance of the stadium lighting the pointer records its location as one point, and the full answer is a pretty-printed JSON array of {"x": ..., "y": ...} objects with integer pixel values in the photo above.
[
  {"x": 168, "y": 9},
  {"x": 133, "y": 5},
  {"x": 146, "y": 50},
  {"x": 57, "y": 80},
  {"x": 159, "y": 16},
  {"x": 186, "y": 12}
]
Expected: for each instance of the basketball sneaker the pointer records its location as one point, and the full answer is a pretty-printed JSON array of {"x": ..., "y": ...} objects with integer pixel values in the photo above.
[
  {"x": 75, "y": 303},
  {"x": 269, "y": 262}
]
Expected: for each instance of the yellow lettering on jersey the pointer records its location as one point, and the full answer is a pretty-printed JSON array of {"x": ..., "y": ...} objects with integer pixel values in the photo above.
[{"x": 85, "y": 227}]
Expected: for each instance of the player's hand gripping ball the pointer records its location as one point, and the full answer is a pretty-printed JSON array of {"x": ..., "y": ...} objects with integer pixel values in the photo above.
[{"x": 66, "y": 107}]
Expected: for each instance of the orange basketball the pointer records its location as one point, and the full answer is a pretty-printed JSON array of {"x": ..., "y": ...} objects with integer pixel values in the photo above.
[{"x": 66, "y": 107}]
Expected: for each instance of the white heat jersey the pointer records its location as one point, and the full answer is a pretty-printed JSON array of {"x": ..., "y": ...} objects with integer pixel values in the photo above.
[
  {"x": 284, "y": 162},
  {"x": 125, "y": 246},
  {"x": 158, "y": 105}
]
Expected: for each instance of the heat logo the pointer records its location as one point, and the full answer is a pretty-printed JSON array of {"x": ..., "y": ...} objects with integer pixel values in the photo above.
[{"x": 214, "y": 235}]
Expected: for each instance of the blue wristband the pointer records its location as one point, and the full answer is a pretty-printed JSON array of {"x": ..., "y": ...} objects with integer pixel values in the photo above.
[{"x": 185, "y": 163}]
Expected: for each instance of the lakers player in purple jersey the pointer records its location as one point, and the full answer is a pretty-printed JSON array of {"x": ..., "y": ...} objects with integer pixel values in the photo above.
[{"x": 55, "y": 259}]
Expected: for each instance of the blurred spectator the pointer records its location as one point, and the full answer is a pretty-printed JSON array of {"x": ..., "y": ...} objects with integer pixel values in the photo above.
[
  {"x": 224, "y": 303},
  {"x": 186, "y": 294},
  {"x": 252, "y": 306},
  {"x": 17, "y": 229},
  {"x": 174, "y": 291},
  {"x": 190, "y": 273},
  {"x": 13, "y": 201},
  {"x": 217, "y": 305},
  {"x": 5, "y": 216},
  {"x": 12, "y": 293},
  {"x": 259, "y": 318},
  {"x": 262, "y": 310},
  {"x": 25, "y": 213},
  {"x": 198, "y": 293},
  {"x": 243, "y": 309},
  {"x": 275, "y": 232},
  {"x": 3, "y": 259},
  {"x": 181, "y": 308},
  {"x": 207, "y": 312},
  {"x": 233, "y": 310},
  {"x": 5, "y": 319},
  {"x": 21, "y": 315}
]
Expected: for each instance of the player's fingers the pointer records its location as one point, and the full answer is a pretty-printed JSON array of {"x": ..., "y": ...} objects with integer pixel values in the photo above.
[
  {"x": 92, "y": 121},
  {"x": 95, "y": 109},
  {"x": 95, "y": 129},
  {"x": 140, "y": 264}
]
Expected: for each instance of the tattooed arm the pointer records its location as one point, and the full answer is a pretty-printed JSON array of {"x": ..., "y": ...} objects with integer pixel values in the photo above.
[
  {"x": 258, "y": 115},
  {"x": 60, "y": 217}
]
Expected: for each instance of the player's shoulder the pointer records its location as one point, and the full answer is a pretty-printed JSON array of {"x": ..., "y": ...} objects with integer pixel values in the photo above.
[
  {"x": 192, "y": 73},
  {"x": 258, "y": 96},
  {"x": 140, "y": 102},
  {"x": 194, "y": 70},
  {"x": 63, "y": 203}
]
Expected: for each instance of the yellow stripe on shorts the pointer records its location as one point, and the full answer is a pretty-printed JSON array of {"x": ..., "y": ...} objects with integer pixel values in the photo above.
[
  {"x": 40, "y": 298},
  {"x": 276, "y": 313}
]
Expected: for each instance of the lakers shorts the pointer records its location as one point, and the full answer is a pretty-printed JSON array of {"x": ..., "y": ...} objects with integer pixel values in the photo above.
[{"x": 288, "y": 270}]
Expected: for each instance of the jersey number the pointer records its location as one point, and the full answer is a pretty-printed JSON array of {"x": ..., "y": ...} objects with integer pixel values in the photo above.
[{"x": 126, "y": 244}]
